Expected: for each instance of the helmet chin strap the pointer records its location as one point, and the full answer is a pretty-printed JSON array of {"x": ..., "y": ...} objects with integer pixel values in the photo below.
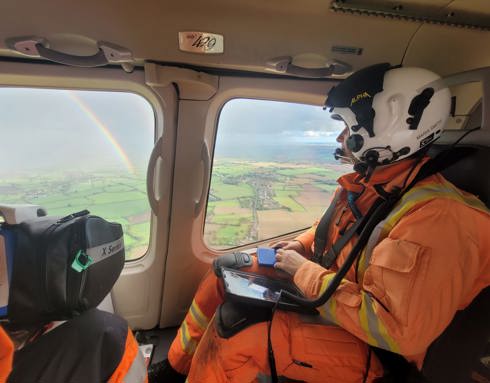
[{"x": 366, "y": 168}]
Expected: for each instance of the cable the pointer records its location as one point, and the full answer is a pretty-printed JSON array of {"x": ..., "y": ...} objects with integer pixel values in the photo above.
[
  {"x": 464, "y": 135},
  {"x": 270, "y": 350},
  {"x": 415, "y": 33},
  {"x": 368, "y": 365}
]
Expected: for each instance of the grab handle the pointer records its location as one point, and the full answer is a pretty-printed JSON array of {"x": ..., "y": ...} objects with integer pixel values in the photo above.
[
  {"x": 96, "y": 60},
  {"x": 206, "y": 160},
  {"x": 150, "y": 175},
  {"x": 284, "y": 64},
  {"x": 107, "y": 53}
]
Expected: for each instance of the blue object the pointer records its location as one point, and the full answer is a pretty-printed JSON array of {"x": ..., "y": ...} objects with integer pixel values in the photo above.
[
  {"x": 6, "y": 255},
  {"x": 266, "y": 256}
]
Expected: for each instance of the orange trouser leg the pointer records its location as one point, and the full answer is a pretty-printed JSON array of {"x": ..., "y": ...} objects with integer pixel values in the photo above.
[
  {"x": 304, "y": 352},
  {"x": 208, "y": 297}
]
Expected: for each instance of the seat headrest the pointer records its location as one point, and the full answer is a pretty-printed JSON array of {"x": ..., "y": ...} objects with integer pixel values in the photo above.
[{"x": 469, "y": 173}]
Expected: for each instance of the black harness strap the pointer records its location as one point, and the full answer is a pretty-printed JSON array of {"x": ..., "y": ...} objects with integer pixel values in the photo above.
[
  {"x": 327, "y": 259},
  {"x": 321, "y": 230},
  {"x": 331, "y": 256},
  {"x": 435, "y": 165}
]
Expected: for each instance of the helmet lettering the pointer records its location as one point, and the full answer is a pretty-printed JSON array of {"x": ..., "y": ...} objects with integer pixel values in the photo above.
[{"x": 360, "y": 96}]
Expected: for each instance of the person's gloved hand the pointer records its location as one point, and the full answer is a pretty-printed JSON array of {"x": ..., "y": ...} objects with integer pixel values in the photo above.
[
  {"x": 289, "y": 260},
  {"x": 290, "y": 245}
]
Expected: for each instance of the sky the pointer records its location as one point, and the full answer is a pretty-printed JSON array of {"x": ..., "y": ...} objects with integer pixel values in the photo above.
[
  {"x": 277, "y": 123},
  {"x": 49, "y": 129},
  {"x": 44, "y": 129},
  {"x": 261, "y": 130}
]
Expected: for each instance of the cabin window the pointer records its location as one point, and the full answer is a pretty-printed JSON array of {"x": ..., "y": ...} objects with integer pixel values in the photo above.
[
  {"x": 70, "y": 150},
  {"x": 273, "y": 171}
]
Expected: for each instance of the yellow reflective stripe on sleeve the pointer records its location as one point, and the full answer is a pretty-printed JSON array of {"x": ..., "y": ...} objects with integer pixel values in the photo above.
[
  {"x": 431, "y": 191},
  {"x": 198, "y": 317},
  {"x": 188, "y": 344},
  {"x": 363, "y": 264},
  {"x": 414, "y": 197},
  {"x": 376, "y": 332},
  {"x": 328, "y": 310}
]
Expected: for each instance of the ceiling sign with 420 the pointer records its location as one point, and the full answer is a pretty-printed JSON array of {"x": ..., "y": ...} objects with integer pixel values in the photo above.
[{"x": 200, "y": 42}]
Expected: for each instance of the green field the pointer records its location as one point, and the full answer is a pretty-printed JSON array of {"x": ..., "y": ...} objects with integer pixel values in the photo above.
[
  {"x": 117, "y": 198},
  {"x": 242, "y": 192},
  {"x": 248, "y": 201}
]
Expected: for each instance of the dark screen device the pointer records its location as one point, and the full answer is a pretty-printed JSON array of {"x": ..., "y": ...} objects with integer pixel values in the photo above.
[
  {"x": 259, "y": 290},
  {"x": 266, "y": 256}
]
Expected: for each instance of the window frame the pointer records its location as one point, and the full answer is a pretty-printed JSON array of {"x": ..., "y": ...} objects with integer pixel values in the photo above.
[
  {"x": 309, "y": 92},
  {"x": 138, "y": 291},
  {"x": 132, "y": 92},
  {"x": 257, "y": 243}
]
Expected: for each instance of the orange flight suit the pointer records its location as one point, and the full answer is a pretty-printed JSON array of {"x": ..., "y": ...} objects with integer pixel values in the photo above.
[
  {"x": 429, "y": 258},
  {"x": 124, "y": 371},
  {"x": 6, "y": 355}
]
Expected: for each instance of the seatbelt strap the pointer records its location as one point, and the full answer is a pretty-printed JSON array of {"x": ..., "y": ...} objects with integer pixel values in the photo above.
[
  {"x": 321, "y": 230},
  {"x": 440, "y": 162},
  {"x": 331, "y": 256}
]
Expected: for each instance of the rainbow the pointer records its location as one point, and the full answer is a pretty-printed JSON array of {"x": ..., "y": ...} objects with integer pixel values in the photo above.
[{"x": 104, "y": 129}]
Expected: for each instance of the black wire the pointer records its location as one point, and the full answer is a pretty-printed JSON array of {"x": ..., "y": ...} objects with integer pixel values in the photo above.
[
  {"x": 463, "y": 136},
  {"x": 270, "y": 350},
  {"x": 368, "y": 365}
]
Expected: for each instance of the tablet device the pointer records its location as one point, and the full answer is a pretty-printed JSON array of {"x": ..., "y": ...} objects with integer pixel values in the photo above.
[
  {"x": 262, "y": 291},
  {"x": 266, "y": 256}
]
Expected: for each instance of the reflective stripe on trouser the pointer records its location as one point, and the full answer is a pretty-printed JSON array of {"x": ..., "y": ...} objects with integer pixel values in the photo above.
[
  {"x": 132, "y": 368},
  {"x": 304, "y": 352},
  {"x": 208, "y": 297}
]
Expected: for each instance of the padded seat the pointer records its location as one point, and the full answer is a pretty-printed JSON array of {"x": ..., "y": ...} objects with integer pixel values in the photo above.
[
  {"x": 471, "y": 172},
  {"x": 456, "y": 356}
]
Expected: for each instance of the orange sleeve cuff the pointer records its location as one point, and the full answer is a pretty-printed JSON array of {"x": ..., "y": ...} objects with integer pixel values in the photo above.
[
  {"x": 309, "y": 278},
  {"x": 307, "y": 238}
]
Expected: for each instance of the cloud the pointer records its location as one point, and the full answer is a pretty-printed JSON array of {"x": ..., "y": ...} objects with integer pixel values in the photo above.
[{"x": 262, "y": 117}]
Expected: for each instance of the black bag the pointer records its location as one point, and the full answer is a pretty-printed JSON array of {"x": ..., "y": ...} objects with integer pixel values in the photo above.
[{"x": 62, "y": 267}]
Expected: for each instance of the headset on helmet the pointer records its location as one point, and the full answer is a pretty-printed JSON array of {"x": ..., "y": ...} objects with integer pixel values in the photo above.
[{"x": 391, "y": 112}]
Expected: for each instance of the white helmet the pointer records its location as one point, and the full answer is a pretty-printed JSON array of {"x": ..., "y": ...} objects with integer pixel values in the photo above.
[{"x": 391, "y": 112}]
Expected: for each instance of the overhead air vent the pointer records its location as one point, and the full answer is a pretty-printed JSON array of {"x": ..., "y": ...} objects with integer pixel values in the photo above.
[{"x": 411, "y": 11}]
